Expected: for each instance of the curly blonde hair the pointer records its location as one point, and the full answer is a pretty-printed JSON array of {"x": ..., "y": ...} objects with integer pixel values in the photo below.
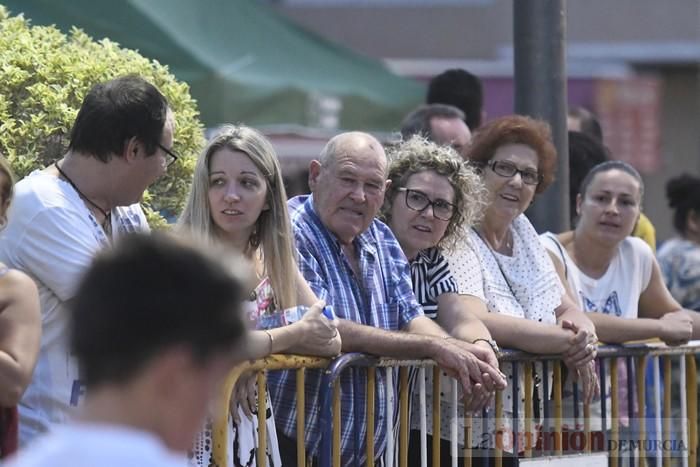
[{"x": 420, "y": 155}]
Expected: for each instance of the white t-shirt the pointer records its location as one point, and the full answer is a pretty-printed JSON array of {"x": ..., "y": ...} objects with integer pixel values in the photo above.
[
  {"x": 91, "y": 445},
  {"x": 617, "y": 292},
  {"x": 52, "y": 236}
]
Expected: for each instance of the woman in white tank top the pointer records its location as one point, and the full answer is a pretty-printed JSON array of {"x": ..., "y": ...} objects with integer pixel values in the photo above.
[{"x": 612, "y": 274}]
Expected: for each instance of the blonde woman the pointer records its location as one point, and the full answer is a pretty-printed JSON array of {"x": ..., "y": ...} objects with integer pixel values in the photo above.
[{"x": 238, "y": 199}]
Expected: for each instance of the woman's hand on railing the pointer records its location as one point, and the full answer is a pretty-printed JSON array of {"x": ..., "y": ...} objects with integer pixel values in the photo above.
[
  {"x": 244, "y": 396},
  {"x": 587, "y": 378},
  {"x": 479, "y": 399},
  {"x": 676, "y": 327},
  {"x": 582, "y": 346}
]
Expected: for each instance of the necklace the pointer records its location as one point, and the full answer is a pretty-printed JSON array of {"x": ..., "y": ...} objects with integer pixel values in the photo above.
[
  {"x": 506, "y": 245},
  {"x": 107, "y": 214}
]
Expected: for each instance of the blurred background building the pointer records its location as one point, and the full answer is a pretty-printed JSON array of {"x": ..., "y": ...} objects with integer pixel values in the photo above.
[
  {"x": 302, "y": 70},
  {"x": 635, "y": 63}
]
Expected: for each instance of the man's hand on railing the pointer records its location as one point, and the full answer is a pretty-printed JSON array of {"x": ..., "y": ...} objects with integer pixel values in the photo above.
[
  {"x": 319, "y": 335},
  {"x": 482, "y": 393},
  {"x": 244, "y": 396},
  {"x": 453, "y": 356},
  {"x": 676, "y": 327}
]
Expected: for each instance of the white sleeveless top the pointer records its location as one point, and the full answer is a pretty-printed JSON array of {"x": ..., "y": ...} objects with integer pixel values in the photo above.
[{"x": 617, "y": 292}]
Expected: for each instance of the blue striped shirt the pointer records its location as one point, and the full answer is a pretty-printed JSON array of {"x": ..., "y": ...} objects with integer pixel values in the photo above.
[{"x": 382, "y": 297}]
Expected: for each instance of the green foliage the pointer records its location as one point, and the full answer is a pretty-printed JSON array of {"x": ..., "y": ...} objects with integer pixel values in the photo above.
[{"x": 44, "y": 76}]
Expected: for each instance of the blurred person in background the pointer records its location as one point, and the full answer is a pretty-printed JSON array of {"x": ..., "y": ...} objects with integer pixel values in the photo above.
[
  {"x": 440, "y": 123},
  {"x": 20, "y": 331},
  {"x": 461, "y": 89},
  {"x": 584, "y": 121},
  {"x": 679, "y": 257}
]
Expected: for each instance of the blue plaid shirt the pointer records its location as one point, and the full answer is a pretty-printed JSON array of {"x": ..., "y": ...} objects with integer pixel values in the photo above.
[{"x": 382, "y": 297}]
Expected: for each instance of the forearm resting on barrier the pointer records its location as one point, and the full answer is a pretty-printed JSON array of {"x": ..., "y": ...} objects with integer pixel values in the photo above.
[{"x": 453, "y": 358}]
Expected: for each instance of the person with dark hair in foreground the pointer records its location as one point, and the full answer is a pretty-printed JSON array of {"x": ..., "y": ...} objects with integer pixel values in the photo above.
[
  {"x": 156, "y": 324},
  {"x": 121, "y": 142}
]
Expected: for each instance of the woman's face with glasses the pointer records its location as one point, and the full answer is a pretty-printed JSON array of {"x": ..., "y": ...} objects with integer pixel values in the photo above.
[
  {"x": 511, "y": 177},
  {"x": 421, "y": 211}
]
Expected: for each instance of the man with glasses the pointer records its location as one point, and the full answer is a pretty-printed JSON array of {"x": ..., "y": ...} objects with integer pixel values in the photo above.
[
  {"x": 354, "y": 263},
  {"x": 121, "y": 142}
]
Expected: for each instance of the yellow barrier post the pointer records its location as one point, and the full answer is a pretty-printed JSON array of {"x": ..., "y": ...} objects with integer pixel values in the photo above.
[
  {"x": 667, "y": 409},
  {"x": 262, "y": 425},
  {"x": 499, "y": 428},
  {"x": 529, "y": 441},
  {"x": 556, "y": 387},
  {"x": 615, "y": 412},
  {"x": 336, "y": 424},
  {"x": 220, "y": 427},
  {"x": 467, "y": 453},
  {"x": 220, "y": 440},
  {"x": 588, "y": 438},
  {"x": 692, "y": 394},
  {"x": 641, "y": 404},
  {"x": 371, "y": 381},
  {"x": 301, "y": 411},
  {"x": 436, "y": 415},
  {"x": 403, "y": 417}
]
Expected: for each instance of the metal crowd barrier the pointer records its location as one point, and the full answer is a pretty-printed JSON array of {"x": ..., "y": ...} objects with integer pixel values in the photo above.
[
  {"x": 299, "y": 363},
  {"x": 660, "y": 441}
]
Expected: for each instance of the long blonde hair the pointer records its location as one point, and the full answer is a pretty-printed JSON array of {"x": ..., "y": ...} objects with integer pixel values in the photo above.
[{"x": 272, "y": 236}]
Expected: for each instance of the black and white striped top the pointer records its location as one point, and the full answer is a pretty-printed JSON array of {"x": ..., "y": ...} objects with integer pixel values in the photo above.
[{"x": 431, "y": 277}]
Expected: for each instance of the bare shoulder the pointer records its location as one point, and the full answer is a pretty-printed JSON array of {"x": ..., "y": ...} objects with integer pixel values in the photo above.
[
  {"x": 15, "y": 284},
  {"x": 566, "y": 238}
]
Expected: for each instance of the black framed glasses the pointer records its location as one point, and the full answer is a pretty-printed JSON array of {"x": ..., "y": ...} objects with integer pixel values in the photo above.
[
  {"x": 508, "y": 170},
  {"x": 419, "y": 201},
  {"x": 170, "y": 155}
]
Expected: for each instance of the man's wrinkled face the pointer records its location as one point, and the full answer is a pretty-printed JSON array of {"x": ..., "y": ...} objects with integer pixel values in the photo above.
[{"x": 349, "y": 190}]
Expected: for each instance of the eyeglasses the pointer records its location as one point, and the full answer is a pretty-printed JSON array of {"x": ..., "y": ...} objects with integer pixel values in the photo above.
[
  {"x": 170, "y": 155},
  {"x": 508, "y": 169},
  {"x": 418, "y": 201}
]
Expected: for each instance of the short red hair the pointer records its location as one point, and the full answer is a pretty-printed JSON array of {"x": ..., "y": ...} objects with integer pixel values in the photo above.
[{"x": 517, "y": 129}]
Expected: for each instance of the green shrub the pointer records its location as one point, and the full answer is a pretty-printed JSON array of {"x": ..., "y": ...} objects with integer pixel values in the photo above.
[{"x": 44, "y": 76}]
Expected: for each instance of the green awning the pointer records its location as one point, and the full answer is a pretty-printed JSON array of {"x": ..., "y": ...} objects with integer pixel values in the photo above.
[{"x": 244, "y": 62}]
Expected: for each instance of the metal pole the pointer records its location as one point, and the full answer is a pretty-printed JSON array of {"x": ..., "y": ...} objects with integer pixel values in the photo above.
[{"x": 539, "y": 32}]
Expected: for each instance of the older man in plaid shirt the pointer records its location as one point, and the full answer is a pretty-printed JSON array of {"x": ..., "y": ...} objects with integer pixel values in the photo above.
[{"x": 353, "y": 262}]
